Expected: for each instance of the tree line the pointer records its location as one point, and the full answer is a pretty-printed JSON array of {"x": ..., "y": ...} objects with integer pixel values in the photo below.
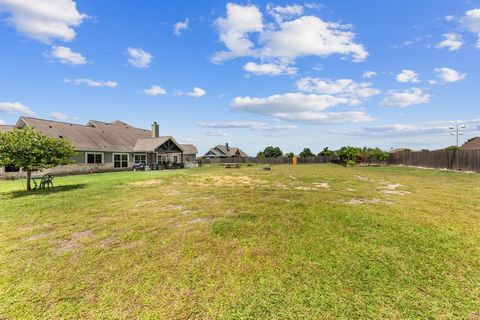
[{"x": 348, "y": 154}]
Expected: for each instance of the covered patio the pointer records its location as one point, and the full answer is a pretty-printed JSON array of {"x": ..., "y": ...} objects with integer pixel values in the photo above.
[{"x": 159, "y": 153}]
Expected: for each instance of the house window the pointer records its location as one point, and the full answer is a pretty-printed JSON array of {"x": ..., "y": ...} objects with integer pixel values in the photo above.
[
  {"x": 175, "y": 159},
  {"x": 94, "y": 158},
  {"x": 140, "y": 158},
  {"x": 120, "y": 160},
  {"x": 11, "y": 169},
  {"x": 162, "y": 158}
]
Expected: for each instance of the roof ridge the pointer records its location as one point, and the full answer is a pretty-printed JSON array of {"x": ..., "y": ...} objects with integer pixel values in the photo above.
[{"x": 56, "y": 121}]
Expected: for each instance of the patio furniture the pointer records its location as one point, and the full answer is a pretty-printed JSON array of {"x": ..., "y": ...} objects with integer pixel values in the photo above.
[{"x": 45, "y": 182}]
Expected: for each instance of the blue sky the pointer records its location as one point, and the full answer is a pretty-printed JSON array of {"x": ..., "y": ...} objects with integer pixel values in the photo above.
[{"x": 257, "y": 73}]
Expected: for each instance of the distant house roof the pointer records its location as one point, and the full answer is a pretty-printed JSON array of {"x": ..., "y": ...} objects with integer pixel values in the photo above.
[
  {"x": 189, "y": 149},
  {"x": 473, "y": 144},
  {"x": 5, "y": 127},
  {"x": 400, "y": 150},
  {"x": 223, "y": 151}
]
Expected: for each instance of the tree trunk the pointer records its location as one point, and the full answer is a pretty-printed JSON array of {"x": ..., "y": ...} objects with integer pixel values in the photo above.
[{"x": 29, "y": 185}]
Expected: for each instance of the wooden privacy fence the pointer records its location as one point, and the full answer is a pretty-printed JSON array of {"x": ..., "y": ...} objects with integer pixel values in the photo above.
[
  {"x": 279, "y": 160},
  {"x": 464, "y": 160}
]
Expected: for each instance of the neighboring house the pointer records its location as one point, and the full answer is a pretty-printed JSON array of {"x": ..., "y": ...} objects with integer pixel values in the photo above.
[
  {"x": 225, "y": 152},
  {"x": 104, "y": 146},
  {"x": 189, "y": 153},
  {"x": 473, "y": 144}
]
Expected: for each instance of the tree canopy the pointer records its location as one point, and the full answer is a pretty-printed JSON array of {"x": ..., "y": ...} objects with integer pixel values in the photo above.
[
  {"x": 326, "y": 152},
  {"x": 306, "y": 153},
  {"x": 29, "y": 150},
  {"x": 272, "y": 152}
]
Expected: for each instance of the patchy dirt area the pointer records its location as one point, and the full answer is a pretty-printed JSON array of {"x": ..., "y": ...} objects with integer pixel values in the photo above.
[
  {"x": 356, "y": 201},
  {"x": 72, "y": 242},
  {"x": 226, "y": 181},
  {"x": 392, "y": 189}
]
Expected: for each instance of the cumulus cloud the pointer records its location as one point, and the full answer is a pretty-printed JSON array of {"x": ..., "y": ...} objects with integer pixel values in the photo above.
[
  {"x": 67, "y": 56},
  {"x": 449, "y": 75},
  {"x": 43, "y": 20},
  {"x": 245, "y": 124},
  {"x": 288, "y": 12},
  {"x": 471, "y": 22},
  {"x": 59, "y": 116},
  {"x": 283, "y": 40},
  {"x": 300, "y": 107},
  {"x": 342, "y": 87},
  {"x": 407, "y": 76},
  {"x": 15, "y": 107},
  {"x": 451, "y": 41},
  {"x": 139, "y": 58},
  {"x": 369, "y": 74},
  {"x": 179, "y": 27},
  {"x": 406, "y": 98},
  {"x": 272, "y": 69},
  {"x": 196, "y": 93},
  {"x": 91, "y": 83},
  {"x": 155, "y": 91},
  {"x": 2, "y": 122}
]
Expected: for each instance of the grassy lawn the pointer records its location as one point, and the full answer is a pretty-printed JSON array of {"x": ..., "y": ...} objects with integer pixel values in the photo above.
[{"x": 298, "y": 242}]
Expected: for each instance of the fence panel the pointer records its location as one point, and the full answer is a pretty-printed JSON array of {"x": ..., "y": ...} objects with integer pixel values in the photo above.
[{"x": 465, "y": 160}]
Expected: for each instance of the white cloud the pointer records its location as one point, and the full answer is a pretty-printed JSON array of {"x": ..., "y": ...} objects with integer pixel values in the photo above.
[
  {"x": 216, "y": 133},
  {"x": 452, "y": 41},
  {"x": 2, "y": 122},
  {"x": 180, "y": 26},
  {"x": 196, "y": 93},
  {"x": 43, "y": 20},
  {"x": 449, "y": 75},
  {"x": 342, "y": 87},
  {"x": 139, "y": 58},
  {"x": 407, "y": 76},
  {"x": 245, "y": 124},
  {"x": 406, "y": 98},
  {"x": 271, "y": 69},
  {"x": 91, "y": 83},
  {"x": 284, "y": 13},
  {"x": 300, "y": 107},
  {"x": 67, "y": 56},
  {"x": 13, "y": 107},
  {"x": 234, "y": 30},
  {"x": 283, "y": 40},
  {"x": 155, "y": 91},
  {"x": 418, "y": 129},
  {"x": 471, "y": 22},
  {"x": 369, "y": 74},
  {"x": 59, "y": 116}
]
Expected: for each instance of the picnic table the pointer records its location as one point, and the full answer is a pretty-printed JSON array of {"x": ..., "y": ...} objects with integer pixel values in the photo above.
[
  {"x": 231, "y": 165},
  {"x": 45, "y": 182}
]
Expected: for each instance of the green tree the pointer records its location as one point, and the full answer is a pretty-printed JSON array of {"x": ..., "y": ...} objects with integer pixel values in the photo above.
[
  {"x": 326, "y": 152},
  {"x": 272, "y": 152},
  {"x": 306, "y": 153},
  {"x": 289, "y": 155},
  {"x": 451, "y": 148},
  {"x": 30, "y": 151},
  {"x": 349, "y": 154},
  {"x": 471, "y": 139}
]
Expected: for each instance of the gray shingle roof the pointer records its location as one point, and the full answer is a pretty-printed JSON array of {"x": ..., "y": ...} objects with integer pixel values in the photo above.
[
  {"x": 189, "y": 149},
  {"x": 95, "y": 136},
  {"x": 221, "y": 151}
]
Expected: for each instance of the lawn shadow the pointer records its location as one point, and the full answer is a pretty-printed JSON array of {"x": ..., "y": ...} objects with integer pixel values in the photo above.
[{"x": 23, "y": 193}]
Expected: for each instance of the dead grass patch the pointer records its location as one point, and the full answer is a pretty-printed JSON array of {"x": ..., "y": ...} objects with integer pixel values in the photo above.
[{"x": 72, "y": 242}]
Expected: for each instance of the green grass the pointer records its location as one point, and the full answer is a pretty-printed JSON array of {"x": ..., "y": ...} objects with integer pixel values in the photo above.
[{"x": 298, "y": 242}]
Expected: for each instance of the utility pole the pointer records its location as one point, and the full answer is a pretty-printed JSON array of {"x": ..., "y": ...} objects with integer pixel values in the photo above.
[{"x": 455, "y": 131}]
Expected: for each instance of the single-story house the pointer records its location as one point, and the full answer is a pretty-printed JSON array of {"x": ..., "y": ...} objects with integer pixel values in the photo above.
[
  {"x": 225, "y": 151},
  {"x": 107, "y": 146},
  {"x": 473, "y": 144}
]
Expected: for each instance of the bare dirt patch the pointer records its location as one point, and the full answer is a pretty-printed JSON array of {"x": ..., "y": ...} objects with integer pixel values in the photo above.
[
  {"x": 362, "y": 178},
  {"x": 147, "y": 183},
  {"x": 72, "y": 242},
  {"x": 38, "y": 236},
  {"x": 392, "y": 189},
  {"x": 226, "y": 181},
  {"x": 356, "y": 201}
]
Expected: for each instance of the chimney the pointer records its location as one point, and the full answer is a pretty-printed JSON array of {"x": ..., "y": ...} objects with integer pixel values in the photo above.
[
  {"x": 155, "y": 130},
  {"x": 227, "y": 147}
]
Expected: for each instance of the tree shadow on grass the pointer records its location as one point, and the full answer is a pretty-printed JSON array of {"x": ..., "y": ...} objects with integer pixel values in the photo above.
[{"x": 44, "y": 192}]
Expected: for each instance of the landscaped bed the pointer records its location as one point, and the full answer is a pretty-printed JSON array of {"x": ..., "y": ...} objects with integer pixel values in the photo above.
[{"x": 307, "y": 241}]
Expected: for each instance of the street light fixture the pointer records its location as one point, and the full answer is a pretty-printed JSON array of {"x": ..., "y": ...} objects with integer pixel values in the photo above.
[{"x": 455, "y": 131}]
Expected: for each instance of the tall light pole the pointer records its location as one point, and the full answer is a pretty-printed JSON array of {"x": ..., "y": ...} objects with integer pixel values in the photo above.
[{"x": 455, "y": 131}]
